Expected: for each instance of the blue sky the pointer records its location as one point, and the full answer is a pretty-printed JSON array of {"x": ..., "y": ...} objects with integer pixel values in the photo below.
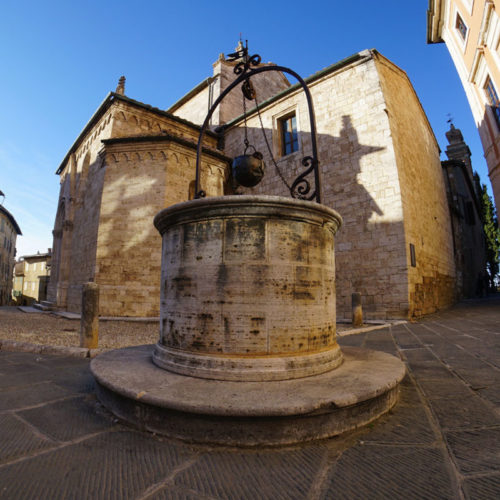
[{"x": 59, "y": 59}]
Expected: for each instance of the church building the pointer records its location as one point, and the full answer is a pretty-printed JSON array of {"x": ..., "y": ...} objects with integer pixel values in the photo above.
[{"x": 379, "y": 164}]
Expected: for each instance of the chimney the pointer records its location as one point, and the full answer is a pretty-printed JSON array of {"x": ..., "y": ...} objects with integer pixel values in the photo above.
[{"x": 120, "y": 89}]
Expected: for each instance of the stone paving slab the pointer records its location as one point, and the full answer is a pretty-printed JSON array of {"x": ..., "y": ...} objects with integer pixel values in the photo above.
[
  {"x": 469, "y": 412},
  {"x": 18, "y": 439},
  {"x": 112, "y": 465},
  {"x": 482, "y": 487},
  {"x": 269, "y": 474},
  {"x": 26, "y": 396},
  {"x": 405, "y": 425},
  {"x": 30, "y": 309},
  {"x": 69, "y": 419},
  {"x": 440, "y": 441},
  {"x": 476, "y": 451},
  {"x": 374, "y": 471}
]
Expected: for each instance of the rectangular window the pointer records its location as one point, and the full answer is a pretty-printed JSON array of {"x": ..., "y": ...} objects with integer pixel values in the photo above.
[
  {"x": 413, "y": 258},
  {"x": 492, "y": 99},
  {"x": 469, "y": 213},
  {"x": 288, "y": 135},
  {"x": 461, "y": 27}
]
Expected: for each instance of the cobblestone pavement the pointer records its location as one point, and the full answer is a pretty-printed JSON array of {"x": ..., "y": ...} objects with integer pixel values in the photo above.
[
  {"x": 46, "y": 328},
  {"x": 442, "y": 440}
]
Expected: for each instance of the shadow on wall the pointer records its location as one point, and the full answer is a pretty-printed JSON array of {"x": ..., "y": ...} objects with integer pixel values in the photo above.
[
  {"x": 370, "y": 246},
  {"x": 340, "y": 165},
  {"x": 361, "y": 182},
  {"x": 128, "y": 247}
]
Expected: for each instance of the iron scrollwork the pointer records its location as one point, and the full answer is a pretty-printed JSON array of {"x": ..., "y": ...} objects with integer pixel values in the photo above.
[
  {"x": 301, "y": 187},
  {"x": 246, "y": 68},
  {"x": 246, "y": 61}
]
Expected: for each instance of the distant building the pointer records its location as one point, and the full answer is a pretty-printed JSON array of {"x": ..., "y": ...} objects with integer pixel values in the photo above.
[
  {"x": 31, "y": 278},
  {"x": 469, "y": 244},
  {"x": 8, "y": 235},
  {"x": 379, "y": 164},
  {"x": 471, "y": 31}
]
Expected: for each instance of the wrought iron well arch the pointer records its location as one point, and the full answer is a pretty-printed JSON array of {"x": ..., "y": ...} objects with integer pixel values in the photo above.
[{"x": 300, "y": 188}]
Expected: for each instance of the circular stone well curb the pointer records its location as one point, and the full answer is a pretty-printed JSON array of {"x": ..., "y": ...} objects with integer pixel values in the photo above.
[{"x": 247, "y": 413}]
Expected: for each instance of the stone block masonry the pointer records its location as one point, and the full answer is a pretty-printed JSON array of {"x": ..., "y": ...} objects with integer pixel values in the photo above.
[
  {"x": 112, "y": 186},
  {"x": 244, "y": 294},
  {"x": 380, "y": 167}
]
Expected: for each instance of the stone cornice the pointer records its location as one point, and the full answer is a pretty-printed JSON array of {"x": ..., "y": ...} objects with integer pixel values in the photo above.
[{"x": 161, "y": 139}]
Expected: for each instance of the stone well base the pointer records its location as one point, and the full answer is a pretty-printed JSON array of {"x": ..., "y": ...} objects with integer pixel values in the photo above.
[{"x": 247, "y": 413}]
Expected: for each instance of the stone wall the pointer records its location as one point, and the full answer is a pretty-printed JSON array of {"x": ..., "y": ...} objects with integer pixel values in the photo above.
[
  {"x": 380, "y": 170},
  {"x": 360, "y": 181},
  {"x": 140, "y": 180},
  {"x": 77, "y": 219},
  {"x": 130, "y": 119},
  {"x": 266, "y": 85},
  {"x": 196, "y": 108},
  {"x": 8, "y": 236},
  {"x": 425, "y": 208},
  {"x": 110, "y": 193}
]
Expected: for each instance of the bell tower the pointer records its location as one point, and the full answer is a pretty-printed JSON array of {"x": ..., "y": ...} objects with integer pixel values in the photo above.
[{"x": 457, "y": 149}]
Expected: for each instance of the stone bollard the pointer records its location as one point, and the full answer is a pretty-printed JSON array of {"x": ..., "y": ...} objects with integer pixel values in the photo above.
[
  {"x": 89, "y": 325},
  {"x": 357, "y": 310}
]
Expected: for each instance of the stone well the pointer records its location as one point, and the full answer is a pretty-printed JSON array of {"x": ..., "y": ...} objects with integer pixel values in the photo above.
[
  {"x": 248, "y": 288},
  {"x": 247, "y": 352}
]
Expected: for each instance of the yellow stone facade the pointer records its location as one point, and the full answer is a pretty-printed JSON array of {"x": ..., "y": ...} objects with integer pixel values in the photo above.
[
  {"x": 471, "y": 31},
  {"x": 31, "y": 277}
]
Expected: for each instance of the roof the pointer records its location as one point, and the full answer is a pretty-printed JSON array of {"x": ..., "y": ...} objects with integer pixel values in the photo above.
[
  {"x": 315, "y": 76},
  {"x": 11, "y": 219},
  {"x": 105, "y": 105},
  {"x": 36, "y": 256},
  {"x": 202, "y": 85}
]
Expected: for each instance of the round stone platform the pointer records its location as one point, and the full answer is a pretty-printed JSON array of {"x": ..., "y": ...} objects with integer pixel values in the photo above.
[{"x": 247, "y": 413}]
